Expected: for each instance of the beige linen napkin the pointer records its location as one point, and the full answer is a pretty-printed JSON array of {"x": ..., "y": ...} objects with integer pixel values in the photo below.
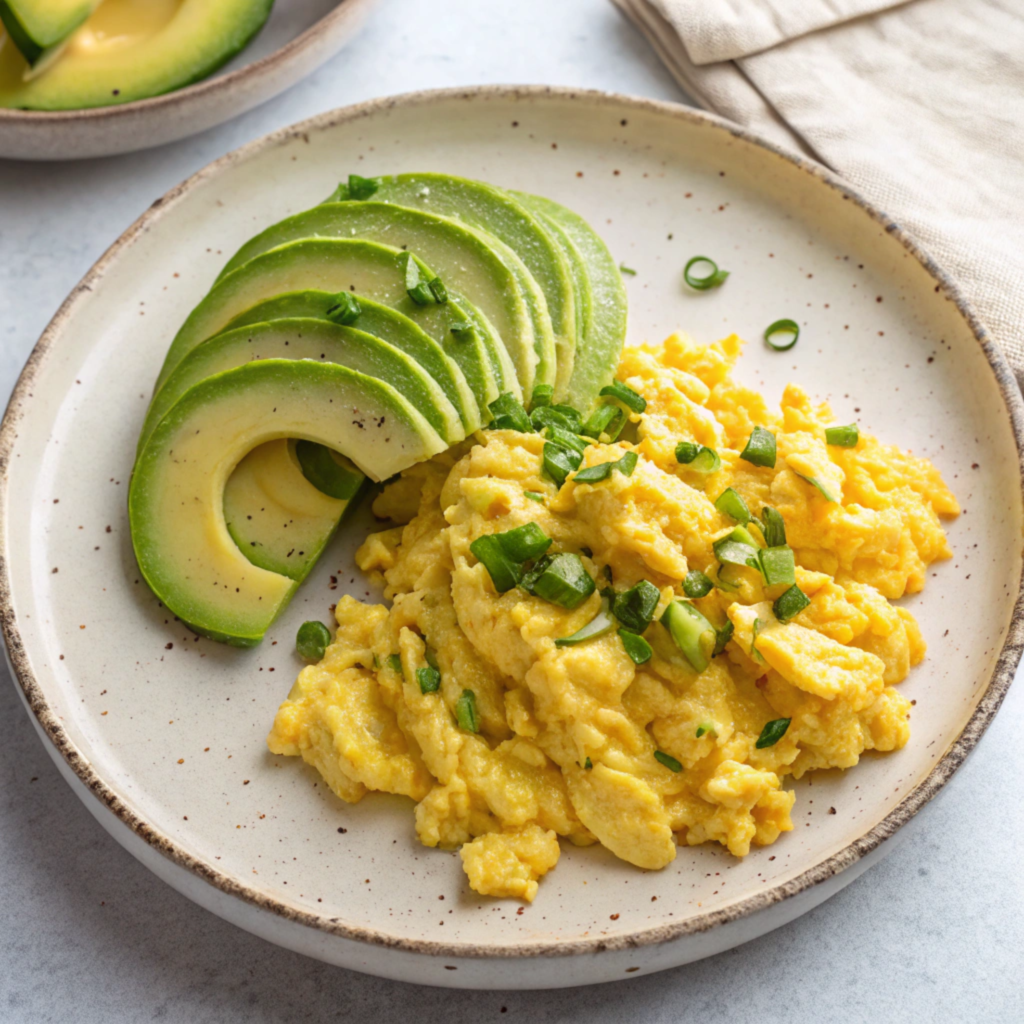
[{"x": 919, "y": 105}]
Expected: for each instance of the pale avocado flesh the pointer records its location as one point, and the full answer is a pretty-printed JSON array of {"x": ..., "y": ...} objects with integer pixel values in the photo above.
[
  {"x": 36, "y": 26},
  {"x": 309, "y": 339},
  {"x": 363, "y": 268},
  {"x": 176, "y": 499},
  {"x": 466, "y": 261},
  {"x": 281, "y": 520},
  {"x": 500, "y": 215}
]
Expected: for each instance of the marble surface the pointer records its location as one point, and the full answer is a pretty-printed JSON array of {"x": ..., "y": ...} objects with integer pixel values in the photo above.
[{"x": 933, "y": 933}]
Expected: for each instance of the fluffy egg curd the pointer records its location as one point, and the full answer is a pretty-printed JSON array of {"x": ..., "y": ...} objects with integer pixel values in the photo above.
[{"x": 636, "y": 651}]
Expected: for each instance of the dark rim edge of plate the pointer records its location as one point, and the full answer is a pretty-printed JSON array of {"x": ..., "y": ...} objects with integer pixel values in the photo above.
[{"x": 985, "y": 710}]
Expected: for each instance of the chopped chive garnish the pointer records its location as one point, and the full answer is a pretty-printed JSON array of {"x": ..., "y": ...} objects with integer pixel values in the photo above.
[
  {"x": 509, "y": 414},
  {"x": 635, "y": 607},
  {"x": 561, "y": 579},
  {"x": 562, "y": 416},
  {"x": 600, "y": 624},
  {"x": 825, "y": 492},
  {"x": 843, "y": 437},
  {"x": 791, "y": 603},
  {"x": 438, "y": 290},
  {"x": 606, "y": 421},
  {"x": 707, "y": 727},
  {"x": 462, "y": 329},
  {"x": 789, "y": 329},
  {"x": 691, "y": 632},
  {"x": 702, "y": 282},
  {"x": 638, "y": 649},
  {"x": 623, "y": 269},
  {"x": 534, "y": 496},
  {"x": 361, "y": 188},
  {"x": 394, "y": 663},
  {"x": 345, "y": 309},
  {"x": 429, "y": 679},
  {"x": 760, "y": 450},
  {"x": 696, "y": 584},
  {"x": 505, "y": 572},
  {"x": 559, "y": 462},
  {"x": 588, "y": 764},
  {"x": 566, "y": 438},
  {"x": 697, "y": 457},
  {"x": 465, "y": 712},
  {"x": 523, "y": 543},
  {"x": 542, "y": 395},
  {"x": 722, "y": 637},
  {"x": 312, "y": 640},
  {"x": 668, "y": 761},
  {"x": 421, "y": 294},
  {"x": 773, "y": 526},
  {"x": 624, "y": 394},
  {"x": 603, "y": 470},
  {"x": 772, "y": 733},
  {"x": 737, "y": 548},
  {"x": 777, "y": 565},
  {"x": 755, "y": 633},
  {"x": 732, "y": 504}
]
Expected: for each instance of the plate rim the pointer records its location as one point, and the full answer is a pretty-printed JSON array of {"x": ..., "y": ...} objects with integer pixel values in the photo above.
[{"x": 50, "y": 723}]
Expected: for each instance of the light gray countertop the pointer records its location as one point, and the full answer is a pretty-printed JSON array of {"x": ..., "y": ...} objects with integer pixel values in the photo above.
[{"x": 933, "y": 933}]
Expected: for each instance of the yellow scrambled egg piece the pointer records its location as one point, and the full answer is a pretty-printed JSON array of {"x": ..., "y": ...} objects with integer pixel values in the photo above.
[{"x": 567, "y": 735}]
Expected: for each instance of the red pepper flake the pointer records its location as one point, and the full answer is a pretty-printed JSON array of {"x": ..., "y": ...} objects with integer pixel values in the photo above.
[
  {"x": 831, "y": 810},
  {"x": 614, "y": 917},
  {"x": 55, "y": 568},
  {"x": 342, "y": 831},
  {"x": 630, "y": 970},
  {"x": 181, "y": 760},
  {"x": 168, "y": 647}
]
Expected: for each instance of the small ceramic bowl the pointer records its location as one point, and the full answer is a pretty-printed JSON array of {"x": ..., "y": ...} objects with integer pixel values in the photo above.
[{"x": 299, "y": 36}]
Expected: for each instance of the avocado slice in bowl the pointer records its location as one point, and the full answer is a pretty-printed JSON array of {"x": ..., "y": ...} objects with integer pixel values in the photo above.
[
  {"x": 365, "y": 269},
  {"x": 176, "y": 502},
  {"x": 468, "y": 261},
  {"x": 37, "y": 27},
  {"x": 496, "y": 212},
  {"x": 317, "y": 340}
]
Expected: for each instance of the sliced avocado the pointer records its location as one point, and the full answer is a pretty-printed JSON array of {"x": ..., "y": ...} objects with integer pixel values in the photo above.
[
  {"x": 36, "y": 26},
  {"x": 309, "y": 339},
  {"x": 196, "y": 40},
  {"x": 599, "y": 284},
  {"x": 500, "y": 215},
  {"x": 282, "y": 518},
  {"x": 466, "y": 260},
  {"x": 365, "y": 269},
  {"x": 176, "y": 500}
]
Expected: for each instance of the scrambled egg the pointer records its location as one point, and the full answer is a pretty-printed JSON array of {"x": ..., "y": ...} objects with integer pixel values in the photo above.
[{"x": 566, "y": 736}]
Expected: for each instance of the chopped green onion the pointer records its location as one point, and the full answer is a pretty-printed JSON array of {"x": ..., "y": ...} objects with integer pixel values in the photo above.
[
  {"x": 465, "y": 712},
  {"x": 312, "y": 640},
  {"x": 733, "y": 550},
  {"x": 756, "y": 631},
  {"x": 606, "y": 421},
  {"x": 791, "y": 603},
  {"x": 509, "y": 414},
  {"x": 722, "y": 637},
  {"x": 772, "y": 733},
  {"x": 422, "y": 295},
  {"x": 552, "y": 415},
  {"x": 697, "y": 457},
  {"x": 785, "y": 327},
  {"x": 668, "y": 761},
  {"x": 534, "y": 496},
  {"x": 710, "y": 280},
  {"x": 462, "y": 329},
  {"x": 542, "y": 395},
  {"x": 731, "y": 503},
  {"x": 707, "y": 727},
  {"x": 624, "y": 394},
  {"x": 773, "y": 526},
  {"x": 361, "y": 188},
  {"x": 588, "y": 764},
  {"x": 623, "y": 269},
  {"x": 637, "y": 647},
  {"x": 724, "y": 579},
  {"x": 561, "y": 579},
  {"x": 777, "y": 565},
  {"x": 843, "y": 437},
  {"x": 566, "y": 438},
  {"x": 523, "y": 543},
  {"x": 696, "y": 584},
  {"x": 394, "y": 663},
  {"x": 429, "y": 679},
  {"x": 438, "y": 290},
  {"x": 345, "y": 310},
  {"x": 692, "y": 633},
  {"x": 417, "y": 289},
  {"x": 825, "y": 492},
  {"x": 760, "y": 450},
  {"x": 505, "y": 572},
  {"x": 603, "y": 470},
  {"x": 600, "y": 624},
  {"x": 635, "y": 607},
  {"x": 559, "y": 462}
]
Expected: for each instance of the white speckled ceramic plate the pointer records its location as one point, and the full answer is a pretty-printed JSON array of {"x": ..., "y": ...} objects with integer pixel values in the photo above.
[
  {"x": 163, "y": 734},
  {"x": 298, "y": 37}
]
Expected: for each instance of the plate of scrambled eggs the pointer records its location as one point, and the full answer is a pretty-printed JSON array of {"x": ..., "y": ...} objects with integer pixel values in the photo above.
[{"x": 567, "y": 726}]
